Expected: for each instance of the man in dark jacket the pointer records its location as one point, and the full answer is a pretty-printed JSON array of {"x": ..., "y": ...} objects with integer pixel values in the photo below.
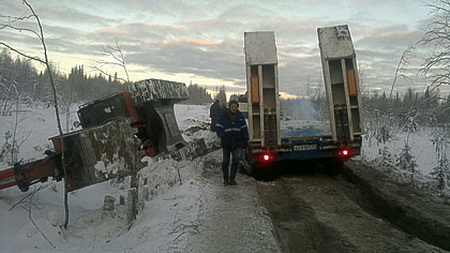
[
  {"x": 233, "y": 134},
  {"x": 215, "y": 111}
]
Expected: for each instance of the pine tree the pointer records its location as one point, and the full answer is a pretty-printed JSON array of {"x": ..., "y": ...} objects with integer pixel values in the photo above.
[
  {"x": 221, "y": 96},
  {"x": 198, "y": 95},
  {"x": 441, "y": 174},
  {"x": 407, "y": 163}
]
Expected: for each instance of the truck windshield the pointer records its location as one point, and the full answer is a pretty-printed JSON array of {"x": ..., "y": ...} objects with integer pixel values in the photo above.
[{"x": 102, "y": 111}]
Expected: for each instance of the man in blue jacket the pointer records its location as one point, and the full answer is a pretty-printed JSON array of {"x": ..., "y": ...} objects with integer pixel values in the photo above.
[{"x": 233, "y": 134}]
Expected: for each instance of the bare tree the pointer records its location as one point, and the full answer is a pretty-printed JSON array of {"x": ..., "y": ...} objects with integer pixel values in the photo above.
[
  {"x": 17, "y": 137},
  {"x": 27, "y": 203},
  {"x": 399, "y": 71},
  {"x": 39, "y": 34},
  {"x": 114, "y": 51},
  {"x": 437, "y": 65}
]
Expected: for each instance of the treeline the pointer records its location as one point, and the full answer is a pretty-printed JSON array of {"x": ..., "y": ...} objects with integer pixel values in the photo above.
[
  {"x": 428, "y": 108},
  {"x": 20, "y": 82},
  {"x": 305, "y": 109},
  {"x": 197, "y": 95}
]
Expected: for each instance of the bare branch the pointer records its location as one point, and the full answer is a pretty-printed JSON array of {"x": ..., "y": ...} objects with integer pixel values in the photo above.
[
  {"x": 34, "y": 58},
  {"x": 21, "y": 30},
  {"x": 32, "y": 220},
  {"x": 116, "y": 53},
  {"x": 404, "y": 60},
  {"x": 104, "y": 63},
  {"x": 436, "y": 65},
  {"x": 15, "y": 19},
  {"x": 107, "y": 74}
]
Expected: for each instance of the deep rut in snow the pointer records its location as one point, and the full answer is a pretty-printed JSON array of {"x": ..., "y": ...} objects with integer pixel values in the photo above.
[{"x": 315, "y": 212}]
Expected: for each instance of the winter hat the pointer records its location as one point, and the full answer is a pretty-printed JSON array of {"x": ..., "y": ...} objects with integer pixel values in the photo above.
[{"x": 233, "y": 102}]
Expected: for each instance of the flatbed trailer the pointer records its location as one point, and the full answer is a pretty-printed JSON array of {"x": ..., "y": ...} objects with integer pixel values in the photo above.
[{"x": 266, "y": 143}]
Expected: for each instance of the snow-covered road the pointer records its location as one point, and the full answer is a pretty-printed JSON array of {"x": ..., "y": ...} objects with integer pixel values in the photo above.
[{"x": 188, "y": 209}]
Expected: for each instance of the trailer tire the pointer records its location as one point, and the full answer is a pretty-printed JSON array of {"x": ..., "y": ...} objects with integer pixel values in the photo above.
[
  {"x": 334, "y": 166},
  {"x": 263, "y": 173}
]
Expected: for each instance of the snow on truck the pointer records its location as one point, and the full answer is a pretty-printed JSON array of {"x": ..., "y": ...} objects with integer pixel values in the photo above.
[
  {"x": 117, "y": 131},
  {"x": 266, "y": 143}
]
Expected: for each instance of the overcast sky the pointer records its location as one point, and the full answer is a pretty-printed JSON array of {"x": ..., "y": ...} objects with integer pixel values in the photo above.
[{"x": 202, "y": 41}]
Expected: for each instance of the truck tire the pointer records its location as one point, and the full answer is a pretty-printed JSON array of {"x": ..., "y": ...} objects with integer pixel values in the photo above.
[{"x": 333, "y": 166}]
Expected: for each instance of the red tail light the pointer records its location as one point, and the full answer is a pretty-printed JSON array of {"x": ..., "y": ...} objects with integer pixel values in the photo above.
[
  {"x": 267, "y": 157},
  {"x": 344, "y": 152}
]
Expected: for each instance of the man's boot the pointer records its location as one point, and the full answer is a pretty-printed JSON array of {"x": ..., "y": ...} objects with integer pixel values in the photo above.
[
  {"x": 225, "y": 176},
  {"x": 233, "y": 176}
]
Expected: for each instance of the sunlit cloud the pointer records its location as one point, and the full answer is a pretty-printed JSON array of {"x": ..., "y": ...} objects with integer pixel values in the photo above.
[
  {"x": 196, "y": 41},
  {"x": 108, "y": 32}
]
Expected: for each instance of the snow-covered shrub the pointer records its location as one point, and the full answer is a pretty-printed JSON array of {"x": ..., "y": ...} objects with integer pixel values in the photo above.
[
  {"x": 408, "y": 121},
  {"x": 10, "y": 149},
  {"x": 385, "y": 134},
  {"x": 406, "y": 162},
  {"x": 385, "y": 158},
  {"x": 441, "y": 174},
  {"x": 379, "y": 126}
]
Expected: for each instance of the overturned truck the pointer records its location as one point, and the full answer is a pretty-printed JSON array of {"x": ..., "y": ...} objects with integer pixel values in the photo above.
[{"x": 117, "y": 131}]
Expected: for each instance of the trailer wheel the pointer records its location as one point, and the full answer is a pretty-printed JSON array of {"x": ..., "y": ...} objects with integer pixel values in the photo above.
[
  {"x": 263, "y": 173},
  {"x": 244, "y": 165},
  {"x": 334, "y": 166}
]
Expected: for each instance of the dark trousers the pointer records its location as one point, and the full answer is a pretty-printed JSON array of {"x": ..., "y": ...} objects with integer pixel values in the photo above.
[{"x": 234, "y": 163}]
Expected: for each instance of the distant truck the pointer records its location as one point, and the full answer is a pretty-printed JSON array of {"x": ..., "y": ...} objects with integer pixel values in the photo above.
[{"x": 266, "y": 144}]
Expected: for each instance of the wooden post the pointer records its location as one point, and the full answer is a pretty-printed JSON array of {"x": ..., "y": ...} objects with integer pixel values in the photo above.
[
  {"x": 109, "y": 203},
  {"x": 131, "y": 206}
]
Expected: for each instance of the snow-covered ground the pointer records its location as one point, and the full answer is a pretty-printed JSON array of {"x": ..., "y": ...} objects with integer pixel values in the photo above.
[
  {"x": 428, "y": 149},
  {"x": 421, "y": 145},
  {"x": 189, "y": 211}
]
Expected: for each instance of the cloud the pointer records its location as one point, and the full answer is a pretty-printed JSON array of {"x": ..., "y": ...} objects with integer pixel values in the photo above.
[
  {"x": 389, "y": 38},
  {"x": 210, "y": 59},
  {"x": 204, "y": 39},
  {"x": 65, "y": 14},
  {"x": 108, "y": 32}
]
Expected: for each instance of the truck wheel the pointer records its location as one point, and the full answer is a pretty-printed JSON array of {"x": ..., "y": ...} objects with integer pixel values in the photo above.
[
  {"x": 266, "y": 173},
  {"x": 244, "y": 165},
  {"x": 334, "y": 166}
]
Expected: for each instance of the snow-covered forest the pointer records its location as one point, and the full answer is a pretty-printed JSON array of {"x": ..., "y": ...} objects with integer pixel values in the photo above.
[
  {"x": 408, "y": 135},
  {"x": 21, "y": 82}
]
